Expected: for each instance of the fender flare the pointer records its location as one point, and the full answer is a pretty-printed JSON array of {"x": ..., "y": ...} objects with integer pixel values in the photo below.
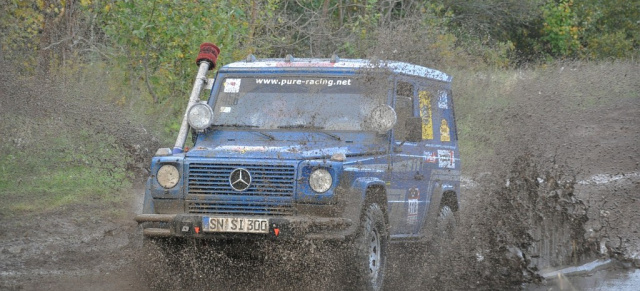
[
  {"x": 363, "y": 183},
  {"x": 361, "y": 186},
  {"x": 437, "y": 196}
]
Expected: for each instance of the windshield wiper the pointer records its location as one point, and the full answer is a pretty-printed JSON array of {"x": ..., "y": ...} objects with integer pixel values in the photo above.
[
  {"x": 331, "y": 135},
  {"x": 271, "y": 137},
  {"x": 236, "y": 125},
  {"x": 306, "y": 126}
]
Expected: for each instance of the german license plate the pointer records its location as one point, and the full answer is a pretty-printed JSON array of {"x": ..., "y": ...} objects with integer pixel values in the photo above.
[{"x": 235, "y": 224}]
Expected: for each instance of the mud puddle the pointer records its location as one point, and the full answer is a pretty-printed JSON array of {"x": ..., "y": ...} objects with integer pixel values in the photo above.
[{"x": 616, "y": 278}]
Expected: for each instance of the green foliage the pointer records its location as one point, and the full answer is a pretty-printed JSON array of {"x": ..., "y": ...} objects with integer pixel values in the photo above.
[
  {"x": 157, "y": 40},
  {"x": 560, "y": 30},
  {"x": 611, "y": 45},
  {"x": 20, "y": 25},
  {"x": 41, "y": 35},
  {"x": 163, "y": 37},
  {"x": 160, "y": 40},
  {"x": 611, "y": 29}
]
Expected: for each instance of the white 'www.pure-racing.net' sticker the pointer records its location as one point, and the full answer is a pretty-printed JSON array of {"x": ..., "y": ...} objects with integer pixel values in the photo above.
[{"x": 316, "y": 82}]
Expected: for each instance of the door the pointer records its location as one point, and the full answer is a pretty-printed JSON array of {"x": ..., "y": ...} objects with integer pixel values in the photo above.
[{"x": 407, "y": 192}]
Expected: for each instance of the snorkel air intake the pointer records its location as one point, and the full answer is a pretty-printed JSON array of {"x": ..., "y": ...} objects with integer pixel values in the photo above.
[{"x": 206, "y": 61}]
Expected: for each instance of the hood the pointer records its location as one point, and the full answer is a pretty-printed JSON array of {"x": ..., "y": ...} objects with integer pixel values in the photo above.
[
  {"x": 239, "y": 147},
  {"x": 267, "y": 152}
]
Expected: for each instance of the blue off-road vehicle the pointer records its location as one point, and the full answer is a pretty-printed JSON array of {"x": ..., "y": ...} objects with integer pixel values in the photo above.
[{"x": 359, "y": 151}]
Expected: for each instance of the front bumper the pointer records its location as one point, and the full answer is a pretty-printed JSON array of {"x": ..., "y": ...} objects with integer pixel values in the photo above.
[{"x": 280, "y": 227}]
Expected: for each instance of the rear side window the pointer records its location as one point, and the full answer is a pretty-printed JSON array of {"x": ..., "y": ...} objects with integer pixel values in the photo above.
[
  {"x": 445, "y": 116},
  {"x": 404, "y": 109}
]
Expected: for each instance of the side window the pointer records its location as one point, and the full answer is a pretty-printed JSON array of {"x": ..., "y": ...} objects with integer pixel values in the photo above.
[
  {"x": 426, "y": 114},
  {"x": 445, "y": 116},
  {"x": 404, "y": 89},
  {"x": 404, "y": 109}
]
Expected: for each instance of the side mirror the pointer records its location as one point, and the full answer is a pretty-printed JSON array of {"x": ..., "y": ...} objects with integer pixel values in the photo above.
[
  {"x": 413, "y": 128},
  {"x": 382, "y": 118}
]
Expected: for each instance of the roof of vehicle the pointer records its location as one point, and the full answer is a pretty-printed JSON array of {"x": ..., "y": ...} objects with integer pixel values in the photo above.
[{"x": 393, "y": 66}]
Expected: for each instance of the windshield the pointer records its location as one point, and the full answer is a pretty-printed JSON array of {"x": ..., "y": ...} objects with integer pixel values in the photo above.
[{"x": 330, "y": 103}]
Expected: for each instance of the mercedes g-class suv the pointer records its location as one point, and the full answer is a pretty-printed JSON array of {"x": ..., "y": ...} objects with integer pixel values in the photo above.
[{"x": 359, "y": 151}]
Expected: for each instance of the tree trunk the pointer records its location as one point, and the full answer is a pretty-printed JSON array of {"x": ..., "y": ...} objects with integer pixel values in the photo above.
[
  {"x": 45, "y": 40},
  {"x": 325, "y": 9}
]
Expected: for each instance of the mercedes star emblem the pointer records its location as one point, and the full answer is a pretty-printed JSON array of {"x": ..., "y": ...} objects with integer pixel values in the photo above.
[{"x": 240, "y": 179}]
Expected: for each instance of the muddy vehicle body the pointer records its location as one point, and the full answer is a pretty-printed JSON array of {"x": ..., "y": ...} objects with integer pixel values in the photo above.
[{"x": 316, "y": 149}]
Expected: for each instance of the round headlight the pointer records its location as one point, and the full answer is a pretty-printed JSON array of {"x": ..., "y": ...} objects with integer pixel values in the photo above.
[
  {"x": 200, "y": 116},
  {"x": 320, "y": 180},
  {"x": 168, "y": 176}
]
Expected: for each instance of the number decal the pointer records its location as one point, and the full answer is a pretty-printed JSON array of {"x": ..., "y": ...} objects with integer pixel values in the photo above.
[{"x": 229, "y": 224}]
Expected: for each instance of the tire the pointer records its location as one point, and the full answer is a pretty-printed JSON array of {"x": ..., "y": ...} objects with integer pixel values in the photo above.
[
  {"x": 446, "y": 224},
  {"x": 370, "y": 250}
]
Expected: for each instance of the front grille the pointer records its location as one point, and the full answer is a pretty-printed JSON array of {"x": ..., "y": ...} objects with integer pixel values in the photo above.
[{"x": 270, "y": 193}]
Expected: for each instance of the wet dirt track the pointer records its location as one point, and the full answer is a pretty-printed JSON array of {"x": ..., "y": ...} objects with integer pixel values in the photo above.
[{"x": 66, "y": 253}]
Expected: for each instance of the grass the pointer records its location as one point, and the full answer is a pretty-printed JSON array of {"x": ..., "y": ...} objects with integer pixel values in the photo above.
[
  {"x": 49, "y": 166},
  {"x": 65, "y": 186}
]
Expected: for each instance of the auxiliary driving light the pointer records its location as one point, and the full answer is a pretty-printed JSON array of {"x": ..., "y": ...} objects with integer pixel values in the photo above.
[{"x": 200, "y": 116}]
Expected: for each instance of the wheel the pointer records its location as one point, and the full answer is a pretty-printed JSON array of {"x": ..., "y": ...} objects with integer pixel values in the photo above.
[
  {"x": 370, "y": 248},
  {"x": 446, "y": 224}
]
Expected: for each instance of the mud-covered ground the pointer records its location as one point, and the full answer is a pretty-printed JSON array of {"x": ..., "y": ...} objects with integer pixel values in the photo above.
[{"x": 561, "y": 186}]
